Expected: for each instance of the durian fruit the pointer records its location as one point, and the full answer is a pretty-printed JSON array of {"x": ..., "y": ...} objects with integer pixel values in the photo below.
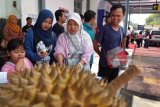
[
  {"x": 53, "y": 86},
  {"x": 54, "y": 101}
]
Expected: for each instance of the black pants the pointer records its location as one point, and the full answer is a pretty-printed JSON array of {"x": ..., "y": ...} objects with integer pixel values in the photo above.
[
  {"x": 1, "y": 62},
  {"x": 146, "y": 43},
  {"x": 139, "y": 43},
  {"x": 90, "y": 65},
  {"x": 107, "y": 73},
  {"x": 127, "y": 42},
  {"x": 132, "y": 41}
]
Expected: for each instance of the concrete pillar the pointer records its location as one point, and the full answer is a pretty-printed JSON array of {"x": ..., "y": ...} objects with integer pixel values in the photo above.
[
  {"x": 126, "y": 16},
  {"x": 41, "y": 5}
]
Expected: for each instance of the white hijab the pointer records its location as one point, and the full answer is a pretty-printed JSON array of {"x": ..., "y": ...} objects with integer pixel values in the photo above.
[
  {"x": 76, "y": 17},
  {"x": 81, "y": 39}
]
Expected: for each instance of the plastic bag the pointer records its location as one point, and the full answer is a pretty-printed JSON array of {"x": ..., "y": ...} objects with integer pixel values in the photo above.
[{"x": 116, "y": 57}]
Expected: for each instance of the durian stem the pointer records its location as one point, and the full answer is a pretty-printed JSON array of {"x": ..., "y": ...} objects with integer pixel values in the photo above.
[{"x": 117, "y": 83}]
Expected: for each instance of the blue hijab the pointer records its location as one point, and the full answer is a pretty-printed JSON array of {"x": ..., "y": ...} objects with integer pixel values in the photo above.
[{"x": 45, "y": 36}]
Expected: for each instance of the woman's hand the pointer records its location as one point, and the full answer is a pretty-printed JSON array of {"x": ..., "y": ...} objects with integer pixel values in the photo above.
[
  {"x": 60, "y": 64},
  {"x": 79, "y": 66},
  {"x": 42, "y": 54}
]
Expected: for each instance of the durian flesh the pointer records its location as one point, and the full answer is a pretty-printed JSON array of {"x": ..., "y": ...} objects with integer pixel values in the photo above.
[{"x": 53, "y": 86}]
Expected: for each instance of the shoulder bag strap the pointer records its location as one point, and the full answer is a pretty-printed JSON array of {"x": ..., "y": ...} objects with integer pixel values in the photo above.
[
  {"x": 53, "y": 35},
  {"x": 121, "y": 34},
  {"x": 72, "y": 43}
]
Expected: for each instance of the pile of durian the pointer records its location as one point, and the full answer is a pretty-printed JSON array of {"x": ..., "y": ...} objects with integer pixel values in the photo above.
[{"x": 54, "y": 86}]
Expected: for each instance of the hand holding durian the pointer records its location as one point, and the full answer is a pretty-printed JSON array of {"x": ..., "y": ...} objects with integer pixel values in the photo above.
[{"x": 53, "y": 86}]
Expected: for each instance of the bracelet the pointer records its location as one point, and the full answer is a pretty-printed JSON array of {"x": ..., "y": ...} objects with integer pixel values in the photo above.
[{"x": 80, "y": 65}]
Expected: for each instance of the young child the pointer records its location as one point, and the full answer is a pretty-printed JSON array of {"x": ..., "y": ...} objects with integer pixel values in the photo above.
[{"x": 17, "y": 62}]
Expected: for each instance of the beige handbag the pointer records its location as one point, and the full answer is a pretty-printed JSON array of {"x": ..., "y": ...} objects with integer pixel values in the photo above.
[{"x": 4, "y": 43}]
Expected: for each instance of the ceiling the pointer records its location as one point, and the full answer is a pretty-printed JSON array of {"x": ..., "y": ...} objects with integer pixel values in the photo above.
[{"x": 139, "y": 6}]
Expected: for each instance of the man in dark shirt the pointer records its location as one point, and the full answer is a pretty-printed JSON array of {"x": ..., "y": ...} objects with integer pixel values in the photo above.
[
  {"x": 61, "y": 18},
  {"x": 28, "y": 25},
  {"x": 110, "y": 37}
]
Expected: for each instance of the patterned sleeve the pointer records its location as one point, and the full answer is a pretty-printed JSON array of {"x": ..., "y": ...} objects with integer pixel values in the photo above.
[
  {"x": 8, "y": 67},
  {"x": 28, "y": 63},
  {"x": 61, "y": 46},
  {"x": 87, "y": 48}
]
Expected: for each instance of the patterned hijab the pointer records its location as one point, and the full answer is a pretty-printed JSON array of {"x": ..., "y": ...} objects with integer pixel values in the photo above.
[
  {"x": 46, "y": 36},
  {"x": 11, "y": 24}
]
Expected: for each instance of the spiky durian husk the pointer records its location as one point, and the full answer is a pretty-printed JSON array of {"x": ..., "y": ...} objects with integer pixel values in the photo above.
[{"x": 54, "y": 86}]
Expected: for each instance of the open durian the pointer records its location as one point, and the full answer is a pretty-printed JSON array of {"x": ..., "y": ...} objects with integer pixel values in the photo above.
[{"x": 54, "y": 86}]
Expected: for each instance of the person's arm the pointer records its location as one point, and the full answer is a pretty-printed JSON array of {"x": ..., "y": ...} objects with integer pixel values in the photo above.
[
  {"x": 80, "y": 64},
  {"x": 24, "y": 31},
  {"x": 60, "y": 51},
  {"x": 60, "y": 59},
  {"x": 6, "y": 33},
  {"x": 20, "y": 35},
  {"x": 124, "y": 43},
  {"x": 96, "y": 47},
  {"x": 29, "y": 48},
  {"x": 20, "y": 66},
  {"x": 98, "y": 39},
  {"x": 124, "y": 36},
  {"x": 54, "y": 39},
  {"x": 87, "y": 49}
]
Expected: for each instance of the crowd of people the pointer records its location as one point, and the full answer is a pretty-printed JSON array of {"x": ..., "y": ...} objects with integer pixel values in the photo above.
[
  {"x": 74, "y": 45},
  {"x": 139, "y": 38}
]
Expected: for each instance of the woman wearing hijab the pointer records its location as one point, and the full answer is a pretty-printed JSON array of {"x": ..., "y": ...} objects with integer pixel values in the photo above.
[
  {"x": 74, "y": 47},
  {"x": 11, "y": 29},
  {"x": 40, "y": 41}
]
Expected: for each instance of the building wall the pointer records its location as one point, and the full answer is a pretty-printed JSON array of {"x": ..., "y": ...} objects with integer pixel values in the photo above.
[
  {"x": 69, "y": 4},
  {"x": 84, "y": 3},
  {"x": 54, "y": 5},
  {"x": 8, "y": 9},
  {"x": 22, "y": 10},
  {"x": 29, "y": 9},
  {"x": 94, "y": 5},
  {"x": 3, "y": 9}
]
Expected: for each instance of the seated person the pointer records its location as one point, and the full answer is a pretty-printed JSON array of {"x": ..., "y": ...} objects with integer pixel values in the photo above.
[
  {"x": 11, "y": 30},
  {"x": 17, "y": 60}
]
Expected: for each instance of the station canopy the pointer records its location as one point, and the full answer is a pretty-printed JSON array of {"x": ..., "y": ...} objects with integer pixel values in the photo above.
[{"x": 140, "y": 6}]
